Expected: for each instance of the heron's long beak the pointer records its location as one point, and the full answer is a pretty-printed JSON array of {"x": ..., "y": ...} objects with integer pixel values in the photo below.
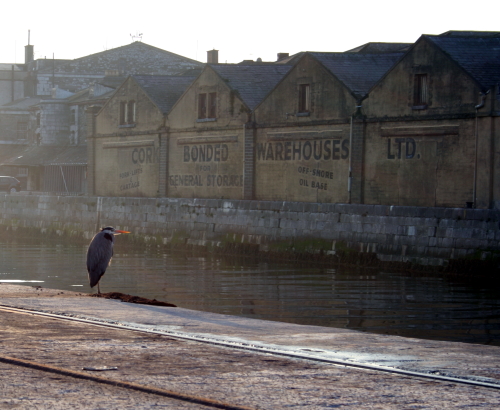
[{"x": 118, "y": 231}]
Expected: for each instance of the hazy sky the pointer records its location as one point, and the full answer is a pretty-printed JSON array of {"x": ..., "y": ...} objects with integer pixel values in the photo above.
[{"x": 238, "y": 29}]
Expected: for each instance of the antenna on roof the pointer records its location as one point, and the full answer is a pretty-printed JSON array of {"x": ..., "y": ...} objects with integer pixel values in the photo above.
[{"x": 136, "y": 37}]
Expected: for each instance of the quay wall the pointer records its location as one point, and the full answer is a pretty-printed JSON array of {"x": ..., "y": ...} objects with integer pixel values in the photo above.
[{"x": 416, "y": 237}]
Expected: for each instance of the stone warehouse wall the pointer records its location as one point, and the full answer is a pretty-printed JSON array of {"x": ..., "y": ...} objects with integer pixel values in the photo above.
[{"x": 438, "y": 237}]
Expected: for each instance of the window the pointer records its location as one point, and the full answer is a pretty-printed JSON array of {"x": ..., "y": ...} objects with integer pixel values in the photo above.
[
  {"x": 131, "y": 112},
  {"x": 304, "y": 98},
  {"x": 123, "y": 113},
  {"x": 421, "y": 91},
  {"x": 207, "y": 106},
  {"x": 22, "y": 172},
  {"x": 127, "y": 112},
  {"x": 212, "y": 105},
  {"x": 22, "y": 130},
  {"x": 202, "y": 106}
]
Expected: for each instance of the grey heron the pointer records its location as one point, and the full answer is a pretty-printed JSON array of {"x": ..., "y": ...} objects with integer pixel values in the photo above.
[{"x": 99, "y": 254}]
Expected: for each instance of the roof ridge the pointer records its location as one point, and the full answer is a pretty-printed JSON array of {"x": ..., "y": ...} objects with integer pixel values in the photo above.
[{"x": 140, "y": 43}]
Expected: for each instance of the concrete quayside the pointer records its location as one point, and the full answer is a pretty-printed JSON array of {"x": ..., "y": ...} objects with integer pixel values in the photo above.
[{"x": 245, "y": 363}]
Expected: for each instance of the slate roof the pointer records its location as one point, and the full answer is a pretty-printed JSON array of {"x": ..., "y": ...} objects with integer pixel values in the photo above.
[
  {"x": 112, "y": 81},
  {"x": 164, "y": 90},
  {"x": 136, "y": 57},
  {"x": 478, "y": 56},
  {"x": 381, "y": 48},
  {"x": 85, "y": 96},
  {"x": 290, "y": 60},
  {"x": 458, "y": 33},
  {"x": 252, "y": 82},
  {"x": 358, "y": 71},
  {"x": 190, "y": 72}
]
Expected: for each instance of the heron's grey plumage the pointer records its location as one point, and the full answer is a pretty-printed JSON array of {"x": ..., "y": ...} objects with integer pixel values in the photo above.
[{"x": 99, "y": 254}]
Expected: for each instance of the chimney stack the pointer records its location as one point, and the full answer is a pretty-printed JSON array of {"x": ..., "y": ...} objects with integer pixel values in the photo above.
[
  {"x": 213, "y": 56},
  {"x": 282, "y": 56},
  {"x": 28, "y": 51}
]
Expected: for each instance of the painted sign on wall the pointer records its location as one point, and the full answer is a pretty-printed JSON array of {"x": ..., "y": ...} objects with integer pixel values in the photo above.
[
  {"x": 310, "y": 165},
  {"x": 401, "y": 148},
  {"x": 128, "y": 168},
  {"x": 210, "y": 164}
]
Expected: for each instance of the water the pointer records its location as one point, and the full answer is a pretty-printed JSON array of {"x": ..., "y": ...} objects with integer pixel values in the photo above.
[{"x": 432, "y": 307}]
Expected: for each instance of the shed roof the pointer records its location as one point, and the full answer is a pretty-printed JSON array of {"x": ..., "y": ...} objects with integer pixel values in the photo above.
[
  {"x": 73, "y": 155},
  {"x": 252, "y": 82},
  {"x": 35, "y": 155},
  {"x": 87, "y": 96},
  {"x": 8, "y": 151},
  {"x": 21, "y": 104},
  {"x": 358, "y": 71},
  {"x": 478, "y": 55}
]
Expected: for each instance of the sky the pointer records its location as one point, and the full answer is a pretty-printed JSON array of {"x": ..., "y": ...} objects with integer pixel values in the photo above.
[{"x": 239, "y": 30}]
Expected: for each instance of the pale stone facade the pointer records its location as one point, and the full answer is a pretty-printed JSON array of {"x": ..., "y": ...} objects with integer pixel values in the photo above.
[
  {"x": 205, "y": 155},
  {"x": 304, "y": 156},
  {"x": 414, "y": 128},
  {"x": 126, "y": 150},
  {"x": 426, "y": 154}
]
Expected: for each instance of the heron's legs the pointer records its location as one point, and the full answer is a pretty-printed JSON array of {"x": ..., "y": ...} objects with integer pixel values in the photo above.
[{"x": 98, "y": 289}]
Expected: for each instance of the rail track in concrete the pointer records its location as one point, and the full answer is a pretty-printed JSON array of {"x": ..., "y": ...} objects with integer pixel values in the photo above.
[
  {"x": 308, "y": 356},
  {"x": 205, "y": 401}
]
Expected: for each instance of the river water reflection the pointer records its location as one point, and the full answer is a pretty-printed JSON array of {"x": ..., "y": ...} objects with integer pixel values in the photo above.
[{"x": 432, "y": 307}]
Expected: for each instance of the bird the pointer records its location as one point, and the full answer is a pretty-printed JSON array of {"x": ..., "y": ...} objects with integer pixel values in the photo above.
[{"x": 99, "y": 254}]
